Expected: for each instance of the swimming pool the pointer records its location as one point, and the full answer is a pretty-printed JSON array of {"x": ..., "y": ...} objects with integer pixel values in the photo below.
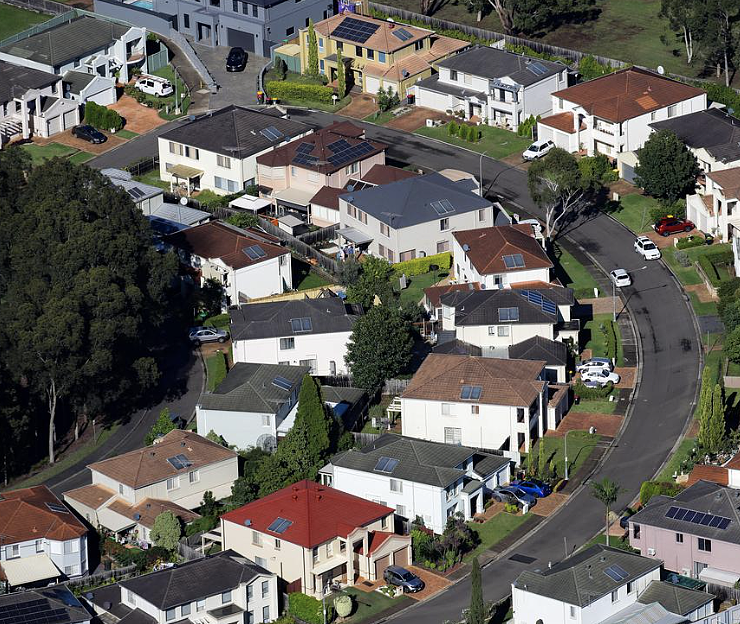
[{"x": 144, "y": 4}]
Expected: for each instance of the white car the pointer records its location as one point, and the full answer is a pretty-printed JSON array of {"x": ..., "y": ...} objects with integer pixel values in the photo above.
[
  {"x": 646, "y": 248},
  {"x": 595, "y": 363},
  {"x": 620, "y": 277},
  {"x": 154, "y": 85},
  {"x": 601, "y": 377},
  {"x": 538, "y": 149}
]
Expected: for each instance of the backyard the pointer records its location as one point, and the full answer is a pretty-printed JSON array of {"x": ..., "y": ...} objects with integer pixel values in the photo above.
[
  {"x": 14, "y": 20},
  {"x": 414, "y": 291},
  {"x": 305, "y": 277},
  {"x": 496, "y": 143}
]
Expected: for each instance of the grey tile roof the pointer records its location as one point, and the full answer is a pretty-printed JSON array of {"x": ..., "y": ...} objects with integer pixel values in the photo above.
[
  {"x": 194, "y": 580},
  {"x": 580, "y": 579},
  {"x": 457, "y": 347},
  {"x": 492, "y": 63},
  {"x": 234, "y": 131},
  {"x": 419, "y": 461},
  {"x": 57, "y": 597},
  {"x": 77, "y": 80},
  {"x": 67, "y": 42},
  {"x": 703, "y": 496},
  {"x": 481, "y": 307},
  {"x": 16, "y": 80},
  {"x": 180, "y": 214},
  {"x": 674, "y": 598},
  {"x": 713, "y": 129},
  {"x": 653, "y": 613},
  {"x": 433, "y": 83},
  {"x": 538, "y": 348},
  {"x": 249, "y": 387},
  {"x": 408, "y": 202},
  {"x": 272, "y": 320}
]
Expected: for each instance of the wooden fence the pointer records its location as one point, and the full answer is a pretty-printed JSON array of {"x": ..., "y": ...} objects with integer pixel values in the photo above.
[
  {"x": 395, "y": 386},
  {"x": 101, "y": 578},
  {"x": 314, "y": 256},
  {"x": 364, "y": 439},
  {"x": 319, "y": 236}
]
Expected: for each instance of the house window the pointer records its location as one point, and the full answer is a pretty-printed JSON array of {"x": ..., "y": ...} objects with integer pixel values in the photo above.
[
  {"x": 200, "y": 605},
  {"x": 185, "y": 609},
  {"x": 289, "y": 31},
  {"x": 572, "y": 612},
  {"x": 482, "y": 214},
  {"x": 396, "y": 485},
  {"x": 175, "y": 148},
  {"x": 385, "y": 230},
  {"x": 353, "y": 168},
  {"x": 192, "y": 152},
  {"x": 475, "y": 409},
  {"x": 250, "y": 592},
  {"x": 384, "y": 522},
  {"x": 358, "y": 51},
  {"x": 313, "y": 365},
  {"x": 705, "y": 544},
  {"x": 492, "y": 330},
  {"x": 320, "y": 41},
  {"x": 615, "y": 595},
  {"x": 370, "y": 54},
  {"x": 444, "y": 224},
  {"x": 520, "y": 414},
  {"x": 277, "y": 544},
  {"x": 265, "y": 420},
  {"x": 39, "y": 546},
  {"x": 630, "y": 587},
  {"x": 679, "y": 538},
  {"x": 245, "y": 8},
  {"x": 453, "y": 75},
  {"x": 265, "y": 614},
  {"x": 186, "y": 20},
  {"x": 636, "y": 531},
  {"x": 329, "y": 550},
  {"x": 321, "y": 66},
  {"x": 672, "y": 110},
  {"x": 342, "y": 547},
  {"x": 265, "y": 589},
  {"x": 261, "y": 562},
  {"x": 293, "y": 172},
  {"x": 223, "y": 161},
  {"x": 443, "y": 246},
  {"x": 453, "y": 435},
  {"x": 339, "y": 45},
  {"x": 446, "y": 409},
  {"x": 12, "y": 551},
  {"x": 255, "y": 10},
  {"x": 173, "y": 483},
  {"x": 508, "y": 314},
  {"x": 381, "y": 57},
  {"x": 503, "y": 331},
  {"x": 72, "y": 570},
  {"x": 401, "y": 511},
  {"x": 468, "y": 79},
  {"x": 652, "y": 116},
  {"x": 250, "y": 617},
  {"x": 235, "y": 5},
  {"x": 120, "y": 488},
  {"x": 194, "y": 476},
  {"x": 170, "y": 614},
  {"x": 71, "y": 546},
  {"x": 287, "y": 343},
  {"x": 226, "y": 597},
  {"x": 315, "y": 554},
  {"x": 256, "y": 538}
]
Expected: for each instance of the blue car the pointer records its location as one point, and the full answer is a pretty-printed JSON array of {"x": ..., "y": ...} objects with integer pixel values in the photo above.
[{"x": 535, "y": 487}]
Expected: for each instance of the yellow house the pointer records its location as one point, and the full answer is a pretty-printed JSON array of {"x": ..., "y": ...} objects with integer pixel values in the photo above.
[{"x": 377, "y": 53}]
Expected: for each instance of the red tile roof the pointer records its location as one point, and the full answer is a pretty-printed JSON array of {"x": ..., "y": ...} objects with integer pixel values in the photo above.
[
  {"x": 488, "y": 246},
  {"x": 433, "y": 293},
  {"x": 734, "y": 463},
  {"x": 375, "y": 540},
  {"x": 715, "y": 474},
  {"x": 24, "y": 515},
  {"x": 385, "y": 174},
  {"x": 317, "y": 513},
  {"x": 562, "y": 121}
]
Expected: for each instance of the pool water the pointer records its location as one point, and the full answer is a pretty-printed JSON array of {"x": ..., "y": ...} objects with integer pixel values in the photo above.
[{"x": 144, "y": 4}]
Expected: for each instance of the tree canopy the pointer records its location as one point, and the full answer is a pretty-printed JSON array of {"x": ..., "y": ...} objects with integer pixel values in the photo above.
[
  {"x": 161, "y": 427},
  {"x": 667, "y": 169},
  {"x": 166, "y": 531}
]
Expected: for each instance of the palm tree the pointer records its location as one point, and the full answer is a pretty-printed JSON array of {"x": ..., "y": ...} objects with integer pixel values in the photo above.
[{"x": 607, "y": 492}]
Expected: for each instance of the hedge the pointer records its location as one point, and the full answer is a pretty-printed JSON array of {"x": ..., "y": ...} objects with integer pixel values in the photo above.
[
  {"x": 527, "y": 51},
  {"x": 655, "y": 488},
  {"x": 102, "y": 118},
  {"x": 309, "y": 609},
  {"x": 418, "y": 266},
  {"x": 709, "y": 262},
  {"x": 297, "y": 91},
  {"x": 582, "y": 392},
  {"x": 690, "y": 241}
]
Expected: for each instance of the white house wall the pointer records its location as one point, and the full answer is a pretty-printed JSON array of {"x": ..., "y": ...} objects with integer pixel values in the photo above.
[
  {"x": 241, "y": 429},
  {"x": 479, "y": 335},
  {"x": 73, "y": 562}
]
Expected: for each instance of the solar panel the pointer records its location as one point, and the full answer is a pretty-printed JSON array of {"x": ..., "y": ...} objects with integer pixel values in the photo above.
[
  {"x": 301, "y": 325},
  {"x": 386, "y": 464},
  {"x": 304, "y": 148},
  {"x": 538, "y": 69},
  {"x": 616, "y": 573},
  {"x": 352, "y": 152},
  {"x": 715, "y": 521},
  {"x": 402, "y": 34},
  {"x": 671, "y": 513},
  {"x": 689, "y": 516},
  {"x": 179, "y": 461},
  {"x": 698, "y": 517},
  {"x": 136, "y": 193},
  {"x": 680, "y": 514},
  {"x": 549, "y": 306},
  {"x": 707, "y": 519},
  {"x": 442, "y": 206},
  {"x": 536, "y": 297},
  {"x": 471, "y": 393},
  {"x": 255, "y": 252},
  {"x": 338, "y": 146},
  {"x": 724, "y": 523},
  {"x": 282, "y": 383},
  {"x": 514, "y": 261},
  {"x": 57, "y": 507},
  {"x": 279, "y": 525},
  {"x": 304, "y": 159},
  {"x": 355, "y": 30},
  {"x": 271, "y": 133}
]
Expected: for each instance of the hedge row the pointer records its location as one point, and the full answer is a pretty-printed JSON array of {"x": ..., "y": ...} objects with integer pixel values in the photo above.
[
  {"x": 309, "y": 609},
  {"x": 418, "y": 266},
  {"x": 583, "y": 392},
  {"x": 102, "y": 118},
  {"x": 527, "y": 51},
  {"x": 297, "y": 91},
  {"x": 656, "y": 488},
  {"x": 690, "y": 241},
  {"x": 709, "y": 262}
]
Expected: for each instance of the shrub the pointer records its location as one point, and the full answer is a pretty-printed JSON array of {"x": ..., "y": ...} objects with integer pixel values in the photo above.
[
  {"x": 220, "y": 320},
  {"x": 511, "y": 508},
  {"x": 525, "y": 128},
  {"x": 418, "y": 266},
  {"x": 452, "y": 128},
  {"x": 309, "y": 609},
  {"x": 297, "y": 91},
  {"x": 707, "y": 263},
  {"x": 654, "y": 488},
  {"x": 527, "y": 51},
  {"x": 590, "y": 68},
  {"x": 663, "y": 209},
  {"x": 682, "y": 258},
  {"x": 690, "y": 241},
  {"x": 202, "y": 524},
  {"x": 102, "y": 118},
  {"x": 583, "y": 392},
  {"x": 343, "y": 605}
]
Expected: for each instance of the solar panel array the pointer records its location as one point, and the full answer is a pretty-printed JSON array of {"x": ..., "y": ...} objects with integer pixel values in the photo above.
[
  {"x": 57, "y": 507},
  {"x": 354, "y": 152},
  {"x": 442, "y": 206},
  {"x": 305, "y": 159},
  {"x": 356, "y": 30},
  {"x": 538, "y": 69},
  {"x": 338, "y": 146},
  {"x": 32, "y": 612},
  {"x": 180, "y": 461},
  {"x": 279, "y": 525},
  {"x": 469, "y": 393},
  {"x": 282, "y": 383},
  {"x": 305, "y": 148},
  {"x": 536, "y": 297},
  {"x": 255, "y": 252},
  {"x": 136, "y": 193},
  {"x": 271, "y": 133},
  {"x": 301, "y": 325},
  {"x": 616, "y": 573},
  {"x": 514, "y": 261},
  {"x": 402, "y": 34},
  {"x": 386, "y": 464},
  {"x": 697, "y": 517}
]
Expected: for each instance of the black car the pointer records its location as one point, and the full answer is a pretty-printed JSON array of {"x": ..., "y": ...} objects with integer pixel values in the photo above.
[
  {"x": 401, "y": 577},
  {"x": 237, "y": 60},
  {"x": 89, "y": 134}
]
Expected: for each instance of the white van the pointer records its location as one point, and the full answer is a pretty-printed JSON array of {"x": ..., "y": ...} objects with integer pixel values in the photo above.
[{"x": 154, "y": 85}]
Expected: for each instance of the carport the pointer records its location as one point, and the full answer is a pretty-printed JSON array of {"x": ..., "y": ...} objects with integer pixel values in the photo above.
[{"x": 189, "y": 175}]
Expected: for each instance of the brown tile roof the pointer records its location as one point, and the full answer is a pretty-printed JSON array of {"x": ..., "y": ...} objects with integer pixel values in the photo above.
[
  {"x": 93, "y": 496},
  {"x": 556, "y": 392},
  {"x": 433, "y": 293},
  {"x": 216, "y": 239},
  {"x": 734, "y": 463},
  {"x": 283, "y": 156},
  {"x": 149, "y": 508},
  {"x": 728, "y": 180},
  {"x": 488, "y": 246},
  {"x": 443, "y": 46},
  {"x": 149, "y": 464},
  {"x": 535, "y": 284},
  {"x": 716, "y": 474},
  {"x": 25, "y": 515},
  {"x": 328, "y": 197},
  {"x": 400, "y": 70},
  {"x": 503, "y": 382},
  {"x": 382, "y": 39},
  {"x": 385, "y": 174},
  {"x": 562, "y": 121},
  {"x": 627, "y": 93}
]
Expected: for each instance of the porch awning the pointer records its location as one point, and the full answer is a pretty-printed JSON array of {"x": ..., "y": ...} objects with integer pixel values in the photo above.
[
  {"x": 354, "y": 235},
  {"x": 114, "y": 521},
  {"x": 325, "y": 566},
  {"x": 715, "y": 576},
  {"x": 185, "y": 172},
  {"x": 248, "y": 202},
  {"x": 295, "y": 196},
  {"x": 29, "y": 570}
]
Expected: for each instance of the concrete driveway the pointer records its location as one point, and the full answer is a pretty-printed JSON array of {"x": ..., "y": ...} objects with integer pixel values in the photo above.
[{"x": 234, "y": 87}]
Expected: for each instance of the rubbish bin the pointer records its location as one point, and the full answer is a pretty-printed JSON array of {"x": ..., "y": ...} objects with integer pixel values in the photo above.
[{"x": 708, "y": 238}]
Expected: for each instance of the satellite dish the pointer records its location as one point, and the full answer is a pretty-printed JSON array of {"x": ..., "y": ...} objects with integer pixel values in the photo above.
[
  {"x": 183, "y": 201},
  {"x": 661, "y": 70},
  {"x": 466, "y": 247}
]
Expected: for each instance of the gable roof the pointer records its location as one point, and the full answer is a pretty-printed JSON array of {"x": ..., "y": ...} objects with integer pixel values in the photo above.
[
  {"x": 434, "y": 293},
  {"x": 93, "y": 495},
  {"x": 15, "y": 80},
  {"x": 674, "y": 598},
  {"x": 627, "y": 93},
  {"x": 317, "y": 513},
  {"x": 581, "y": 579},
  {"x": 638, "y": 613},
  {"x": 145, "y": 512},
  {"x": 488, "y": 246},
  {"x": 728, "y": 180},
  {"x": 492, "y": 63},
  {"x": 503, "y": 382},
  {"x": 481, "y": 307},
  {"x": 409, "y": 202},
  {"x": 382, "y": 39},
  {"x": 712, "y": 129},
  {"x": 26, "y": 515},
  {"x": 272, "y": 320},
  {"x": 149, "y": 465},
  {"x": 68, "y": 41},
  {"x": 235, "y": 131},
  {"x": 419, "y": 461},
  {"x": 44, "y": 605},
  {"x": 249, "y": 387},
  {"x": 554, "y": 352},
  {"x": 217, "y": 239}
]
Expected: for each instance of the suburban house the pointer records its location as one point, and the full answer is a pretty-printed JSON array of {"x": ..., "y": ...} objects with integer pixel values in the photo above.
[
  {"x": 49, "y": 604},
  {"x": 378, "y": 54},
  {"x": 89, "y": 45},
  {"x": 553, "y": 352},
  {"x": 432, "y": 300},
  {"x": 494, "y": 86},
  {"x": 129, "y": 491},
  {"x": 497, "y": 257},
  {"x": 717, "y": 211},
  {"x": 429, "y": 480},
  {"x": 612, "y": 114},
  {"x": 32, "y": 104},
  {"x": 249, "y": 263},
  {"x": 485, "y": 403},
  {"x": 42, "y": 539},
  {"x": 291, "y": 175},
  {"x": 218, "y": 151},
  {"x": 311, "y": 535},
  {"x": 412, "y": 218},
  {"x": 224, "y": 588},
  {"x": 603, "y": 585},
  {"x": 695, "y": 533},
  {"x": 303, "y": 332}
]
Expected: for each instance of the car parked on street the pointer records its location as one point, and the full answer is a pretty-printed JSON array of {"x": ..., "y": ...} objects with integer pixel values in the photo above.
[
  {"x": 89, "y": 134},
  {"x": 601, "y": 377},
  {"x": 199, "y": 335},
  {"x": 538, "y": 149},
  {"x": 401, "y": 577},
  {"x": 620, "y": 277},
  {"x": 535, "y": 487},
  {"x": 646, "y": 248},
  {"x": 236, "y": 61},
  {"x": 514, "y": 495},
  {"x": 672, "y": 225},
  {"x": 154, "y": 85}
]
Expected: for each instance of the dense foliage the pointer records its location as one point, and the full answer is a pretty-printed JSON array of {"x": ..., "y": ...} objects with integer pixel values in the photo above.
[
  {"x": 667, "y": 169},
  {"x": 443, "y": 551},
  {"x": 102, "y": 117},
  {"x": 285, "y": 90},
  {"x": 656, "y": 488},
  {"x": 309, "y": 609}
]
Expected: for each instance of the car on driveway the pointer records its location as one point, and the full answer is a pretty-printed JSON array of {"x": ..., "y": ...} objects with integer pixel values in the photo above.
[
  {"x": 154, "y": 85},
  {"x": 236, "y": 61},
  {"x": 596, "y": 362},
  {"x": 672, "y": 225},
  {"x": 199, "y": 335},
  {"x": 620, "y": 277},
  {"x": 538, "y": 149},
  {"x": 601, "y": 377},
  {"x": 401, "y": 577},
  {"x": 89, "y": 134},
  {"x": 646, "y": 248},
  {"x": 535, "y": 487},
  {"x": 514, "y": 495}
]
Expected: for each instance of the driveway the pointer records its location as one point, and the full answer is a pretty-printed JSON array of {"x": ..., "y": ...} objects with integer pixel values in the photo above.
[
  {"x": 234, "y": 87},
  {"x": 139, "y": 118},
  {"x": 66, "y": 138}
]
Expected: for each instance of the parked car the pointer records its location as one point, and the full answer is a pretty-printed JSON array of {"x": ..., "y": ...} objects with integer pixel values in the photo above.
[
  {"x": 514, "y": 495},
  {"x": 620, "y": 277},
  {"x": 535, "y": 487},
  {"x": 237, "y": 60},
  {"x": 646, "y": 248},
  {"x": 207, "y": 334},
  {"x": 624, "y": 521},
  {"x": 596, "y": 362},
  {"x": 671, "y": 225},
  {"x": 89, "y": 134},
  {"x": 601, "y": 377},
  {"x": 538, "y": 149},
  {"x": 154, "y": 85},
  {"x": 401, "y": 577}
]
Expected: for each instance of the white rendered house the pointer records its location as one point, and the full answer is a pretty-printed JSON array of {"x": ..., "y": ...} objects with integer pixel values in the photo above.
[{"x": 717, "y": 210}]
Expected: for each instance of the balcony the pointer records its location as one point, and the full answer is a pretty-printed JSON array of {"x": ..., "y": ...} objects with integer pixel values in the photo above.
[{"x": 225, "y": 612}]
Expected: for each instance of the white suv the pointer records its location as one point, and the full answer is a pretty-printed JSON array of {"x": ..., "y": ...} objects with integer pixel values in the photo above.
[
  {"x": 538, "y": 149},
  {"x": 646, "y": 248},
  {"x": 600, "y": 376},
  {"x": 154, "y": 85}
]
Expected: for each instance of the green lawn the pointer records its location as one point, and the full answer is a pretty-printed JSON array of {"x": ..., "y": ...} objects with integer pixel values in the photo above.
[
  {"x": 595, "y": 406},
  {"x": 215, "y": 369},
  {"x": 305, "y": 277},
  {"x": 614, "y": 542},
  {"x": 494, "y": 530},
  {"x": 152, "y": 178},
  {"x": 573, "y": 274},
  {"x": 597, "y": 340},
  {"x": 369, "y": 604},
  {"x": 702, "y": 308},
  {"x": 379, "y": 118},
  {"x": 683, "y": 452},
  {"x": 81, "y": 157},
  {"x": 634, "y": 212},
  {"x": 417, "y": 284},
  {"x": 13, "y": 20},
  {"x": 322, "y": 106},
  {"x": 126, "y": 134},
  {"x": 580, "y": 446},
  {"x": 496, "y": 143},
  {"x": 40, "y": 153},
  {"x": 169, "y": 73}
]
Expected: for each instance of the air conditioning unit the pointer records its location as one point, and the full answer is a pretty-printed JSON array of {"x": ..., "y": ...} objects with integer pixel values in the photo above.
[{"x": 651, "y": 552}]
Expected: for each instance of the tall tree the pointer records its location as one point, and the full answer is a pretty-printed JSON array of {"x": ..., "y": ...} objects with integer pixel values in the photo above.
[
  {"x": 719, "y": 36},
  {"x": 687, "y": 18},
  {"x": 312, "y": 68},
  {"x": 607, "y": 492},
  {"x": 712, "y": 434},
  {"x": 667, "y": 169},
  {"x": 166, "y": 531},
  {"x": 161, "y": 427},
  {"x": 477, "y": 7},
  {"x": 477, "y": 612},
  {"x": 341, "y": 77},
  {"x": 706, "y": 401},
  {"x": 374, "y": 280},
  {"x": 532, "y": 16}
]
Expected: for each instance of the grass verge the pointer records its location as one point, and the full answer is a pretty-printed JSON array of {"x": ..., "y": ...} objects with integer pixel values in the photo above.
[
  {"x": 81, "y": 157},
  {"x": 369, "y": 604},
  {"x": 126, "y": 134},
  {"x": 580, "y": 446},
  {"x": 602, "y": 343},
  {"x": 574, "y": 275},
  {"x": 496, "y": 143},
  {"x": 494, "y": 530},
  {"x": 379, "y": 118},
  {"x": 215, "y": 370},
  {"x": 634, "y": 212},
  {"x": 683, "y": 452}
]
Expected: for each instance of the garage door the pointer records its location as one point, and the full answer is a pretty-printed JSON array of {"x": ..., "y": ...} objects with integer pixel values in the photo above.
[
  {"x": 562, "y": 140},
  {"x": 69, "y": 119},
  {"x": 371, "y": 84},
  {"x": 628, "y": 173},
  {"x": 55, "y": 125},
  {"x": 104, "y": 97},
  {"x": 380, "y": 566},
  {"x": 401, "y": 557},
  {"x": 237, "y": 38}
]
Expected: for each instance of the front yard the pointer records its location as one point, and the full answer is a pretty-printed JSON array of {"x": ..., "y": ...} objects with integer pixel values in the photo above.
[
  {"x": 494, "y": 530},
  {"x": 573, "y": 274},
  {"x": 41, "y": 153},
  {"x": 496, "y": 142},
  {"x": 594, "y": 406},
  {"x": 603, "y": 337},
  {"x": 215, "y": 370},
  {"x": 634, "y": 211},
  {"x": 580, "y": 446},
  {"x": 369, "y": 604}
]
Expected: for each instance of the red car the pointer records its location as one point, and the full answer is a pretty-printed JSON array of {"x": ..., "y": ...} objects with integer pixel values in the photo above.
[{"x": 671, "y": 225}]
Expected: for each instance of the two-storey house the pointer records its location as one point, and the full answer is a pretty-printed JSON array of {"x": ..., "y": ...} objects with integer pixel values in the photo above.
[
  {"x": 491, "y": 85},
  {"x": 612, "y": 114},
  {"x": 311, "y": 535},
  {"x": 414, "y": 217},
  {"x": 55, "y": 603},
  {"x": 301, "y": 332},
  {"x": 224, "y": 588},
  {"x": 419, "y": 478},
  {"x": 717, "y": 210},
  {"x": 378, "y": 54},
  {"x": 41, "y": 540},
  {"x": 129, "y": 491},
  {"x": 486, "y": 403},
  {"x": 497, "y": 257}
]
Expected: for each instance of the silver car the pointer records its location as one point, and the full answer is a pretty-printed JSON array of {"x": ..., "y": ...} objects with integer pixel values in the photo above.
[{"x": 207, "y": 334}]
